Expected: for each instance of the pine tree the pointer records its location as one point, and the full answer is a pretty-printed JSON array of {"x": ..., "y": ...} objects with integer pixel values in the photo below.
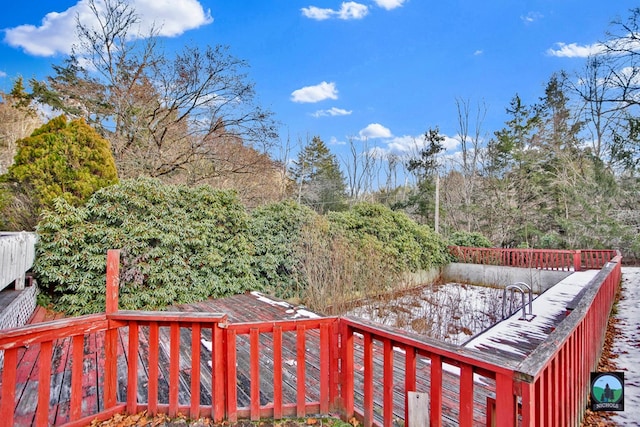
[{"x": 320, "y": 181}]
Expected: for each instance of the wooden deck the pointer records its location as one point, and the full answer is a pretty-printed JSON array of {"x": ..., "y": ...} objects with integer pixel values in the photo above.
[{"x": 240, "y": 308}]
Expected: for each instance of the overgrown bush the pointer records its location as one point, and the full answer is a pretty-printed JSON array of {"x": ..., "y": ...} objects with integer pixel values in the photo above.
[
  {"x": 60, "y": 159},
  {"x": 407, "y": 245},
  {"x": 276, "y": 232},
  {"x": 469, "y": 239},
  {"x": 179, "y": 245}
]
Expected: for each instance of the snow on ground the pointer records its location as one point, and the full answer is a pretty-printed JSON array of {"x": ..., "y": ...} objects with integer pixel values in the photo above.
[
  {"x": 453, "y": 312},
  {"x": 627, "y": 346}
]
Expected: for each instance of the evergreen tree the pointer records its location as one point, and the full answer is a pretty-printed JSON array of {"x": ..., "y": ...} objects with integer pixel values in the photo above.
[
  {"x": 319, "y": 180},
  {"x": 59, "y": 159}
]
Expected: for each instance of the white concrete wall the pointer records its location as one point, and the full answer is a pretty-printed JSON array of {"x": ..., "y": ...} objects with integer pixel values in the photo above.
[{"x": 493, "y": 275}]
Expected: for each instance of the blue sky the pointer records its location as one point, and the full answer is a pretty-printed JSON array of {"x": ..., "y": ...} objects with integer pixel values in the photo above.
[{"x": 380, "y": 70}]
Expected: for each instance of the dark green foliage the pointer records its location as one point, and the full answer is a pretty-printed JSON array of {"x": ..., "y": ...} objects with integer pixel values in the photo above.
[
  {"x": 276, "y": 230},
  {"x": 320, "y": 182},
  {"x": 469, "y": 239},
  {"x": 179, "y": 245},
  {"x": 407, "y": 245}
]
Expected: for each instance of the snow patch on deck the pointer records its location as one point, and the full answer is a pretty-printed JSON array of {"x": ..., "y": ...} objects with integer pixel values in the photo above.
[{"x": 517, "y": 338}]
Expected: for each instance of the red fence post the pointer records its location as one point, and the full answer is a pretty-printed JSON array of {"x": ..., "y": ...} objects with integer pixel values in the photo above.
[
  {"x": 113, "y": 280},
  {"x": 577, "y": 260},
  {"x": 111, "y": 335}
]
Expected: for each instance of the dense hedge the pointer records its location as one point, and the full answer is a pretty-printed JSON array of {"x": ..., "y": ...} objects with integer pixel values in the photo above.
[
  {"x": 408, "y": 245},
  {"x": 469, "y": 239},
  {"x": 179, "y": 245},
  {"x": 276, "y": 230}
]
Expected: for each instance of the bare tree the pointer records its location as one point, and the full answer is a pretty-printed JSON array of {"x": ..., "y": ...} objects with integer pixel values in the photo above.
[{"x": 163, "y": 115}]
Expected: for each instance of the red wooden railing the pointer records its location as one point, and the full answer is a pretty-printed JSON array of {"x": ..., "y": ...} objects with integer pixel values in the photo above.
[
  {"x": 334, "y": 365},
  {"x": 544, "y": 259}
]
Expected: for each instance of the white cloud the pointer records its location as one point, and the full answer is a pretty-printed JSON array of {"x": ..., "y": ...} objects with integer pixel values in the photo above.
[
  {"x": 574, "y": 50},
  {"x": 333, "y": 111},
  {"x": 410, "y": 146},
  {"x": 375, "y": 130},
  {"x": 57, "y": 30},
  {"x": 3, "y": 74},
  {"x": 531, "y": 17},
  {"x": 317, "y": 13},
  {"x": 316, "y": 93},
  {"x": 389, "y": 4},
  {"x": 478, "y": 52},
  {"x": 348, "y": 10},
  {"x": 352, "y": 10}
]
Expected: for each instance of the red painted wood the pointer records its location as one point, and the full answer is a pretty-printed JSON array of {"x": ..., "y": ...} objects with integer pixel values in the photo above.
[
  {"x": 8, "y": 386},
  {"x": 254, "y": 339},
  {"x": 348, "y": 369},
  {"x": 218, "y": 378},
  {"x": 52, "y": 330},
  {"x": 367, "y": 363},
  {"x": 166, "y": 318},
  {"x": 76, "y": 377},
  {"x": 527, "y": 393},
  {"x": 409, "y": 377},
  {"x": 325, "y": 366},
  {"x": 132, "y": 369},
  {"x": 174, "y": 369},
  {"x": 435, "y": 413},
  {"x": 388, "y": 384},
  {"x": 466, "y": 396},
  {"x": 110, "y": 368},
  {"x": 194, "y": 410},
  {"x": 505, "y": 400},
  {"x": 113, "y": 280},
  {"x": 277, "y": 372},
  {"x": 301, "y": 361},
  {"x": 232, "y": 377},
  {"x": 152, "y": 397},
  {"x": 44, "y": 384}
]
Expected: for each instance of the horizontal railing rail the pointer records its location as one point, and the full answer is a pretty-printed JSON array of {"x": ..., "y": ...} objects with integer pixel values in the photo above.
[{"x": 544, "y": 259}]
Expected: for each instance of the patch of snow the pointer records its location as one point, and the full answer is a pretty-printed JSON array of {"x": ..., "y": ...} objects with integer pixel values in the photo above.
[
  {"x": 627, "y": 346},
  {"x": 269, "y": 301},
  {"x": 207, "y": 344},
  {"x": 305, "y": 313}
]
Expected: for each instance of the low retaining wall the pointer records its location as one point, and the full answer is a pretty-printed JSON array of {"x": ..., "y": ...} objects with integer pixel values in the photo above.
[{"x": 493, "y": 275}]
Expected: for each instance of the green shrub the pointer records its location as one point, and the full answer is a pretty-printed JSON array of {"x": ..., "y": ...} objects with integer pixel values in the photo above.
[
  {"x": 469, "y": 239},
  {"x": 179, "y": 245},
  {"x": 275, "y": 233},
  {"x": 408, "y": 245}
]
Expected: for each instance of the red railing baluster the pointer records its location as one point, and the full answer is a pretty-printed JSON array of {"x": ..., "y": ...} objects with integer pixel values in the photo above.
[
  {"x": 77, "y": 356},
  {"x": 436, "y": 391},
  {"x": 367, "y": 364},
  {"x": 277, "y": 372},
  {"x": 132, "y": 369},
  {"x": 254, "y": 351},
  {"x": 466, "y": 396},
  {"x": 152, "y": 397},
  {"x": 194, "y": 409},
  {"x": 301, "y": 370}
]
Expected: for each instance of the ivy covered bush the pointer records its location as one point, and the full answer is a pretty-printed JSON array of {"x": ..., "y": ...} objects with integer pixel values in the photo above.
[
  {"x": 179, "y": 245},
  {"x": 407, "y": 245}
]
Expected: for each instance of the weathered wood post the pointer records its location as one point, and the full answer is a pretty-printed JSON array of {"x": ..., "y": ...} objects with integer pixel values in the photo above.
[
  {"x": 577, "y": 260},
  {"x": 111, "y": 335}
]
